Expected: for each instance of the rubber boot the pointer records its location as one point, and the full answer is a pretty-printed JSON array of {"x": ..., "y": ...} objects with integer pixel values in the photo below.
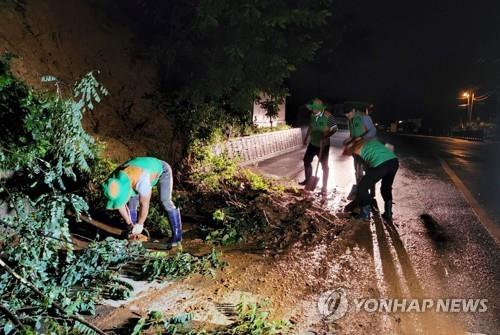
[
  {"x": 308, "y": 174},
  {"x": 174, "y": 218},
  {"x": 364, "y": 213},
  {"x": 387, "y": 211}
]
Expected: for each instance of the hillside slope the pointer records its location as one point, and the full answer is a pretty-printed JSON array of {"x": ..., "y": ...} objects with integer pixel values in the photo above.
[{"x": 67, "y": 39}]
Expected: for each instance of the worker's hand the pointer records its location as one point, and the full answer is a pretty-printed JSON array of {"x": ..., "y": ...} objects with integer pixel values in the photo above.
[
  {"x": 347, "y": 140},
  {"x": 137, "y": 229}
]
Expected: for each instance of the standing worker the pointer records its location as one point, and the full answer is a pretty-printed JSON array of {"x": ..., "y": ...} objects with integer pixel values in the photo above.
[
  {"x": 130, "y": 186},
  {"x": 321, "y": 126},
  {"x": 381, "y": 164},
  {"x": 360, "y": 127}
]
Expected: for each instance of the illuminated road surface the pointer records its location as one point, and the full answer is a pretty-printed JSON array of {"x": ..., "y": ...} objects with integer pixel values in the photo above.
[{"x": 437, "y": 246}]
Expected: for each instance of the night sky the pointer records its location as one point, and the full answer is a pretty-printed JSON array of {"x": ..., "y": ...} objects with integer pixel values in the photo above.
[{"x": 410, "y": 58}]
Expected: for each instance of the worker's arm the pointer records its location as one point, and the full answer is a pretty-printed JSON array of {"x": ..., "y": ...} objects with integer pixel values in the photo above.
[
  {"x": 144, "y": 207},
  {"x": 307, "y": 135},
  {"x": 125, "y": 213},
  {"x": 370, "y": 130},
  {"x": 332, "y": 126}
]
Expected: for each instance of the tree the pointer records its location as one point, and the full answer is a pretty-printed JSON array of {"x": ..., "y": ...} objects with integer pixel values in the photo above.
[
  {"x": 272, "y": 107},
  {"x": 217, "y": 56}
]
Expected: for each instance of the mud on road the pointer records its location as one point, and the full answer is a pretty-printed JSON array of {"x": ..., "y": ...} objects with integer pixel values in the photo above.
[{"x": 420, "y": 255}]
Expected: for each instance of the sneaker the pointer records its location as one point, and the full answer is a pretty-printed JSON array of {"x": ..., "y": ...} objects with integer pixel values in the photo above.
[{"x": 303, "y": 183}]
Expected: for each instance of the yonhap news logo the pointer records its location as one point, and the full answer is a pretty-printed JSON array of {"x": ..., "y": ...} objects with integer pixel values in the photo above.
[{"x": 333, "y": 305}]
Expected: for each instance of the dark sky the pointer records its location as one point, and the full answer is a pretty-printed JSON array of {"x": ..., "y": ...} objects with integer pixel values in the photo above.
[{"x": 411, "y": 58}]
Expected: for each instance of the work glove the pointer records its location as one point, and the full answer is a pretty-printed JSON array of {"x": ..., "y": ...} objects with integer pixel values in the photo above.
[{"x": 137, "y": 229}]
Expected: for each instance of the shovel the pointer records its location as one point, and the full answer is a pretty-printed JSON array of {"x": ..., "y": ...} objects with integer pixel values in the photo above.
[{"x": 312, "y": 182}]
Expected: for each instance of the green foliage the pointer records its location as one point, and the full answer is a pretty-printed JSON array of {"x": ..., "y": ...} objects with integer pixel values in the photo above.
[
  {"x": 159, "y": 265},
  {"x": 216, "y": 57},
  {"x": 89, "y": 90},
  {"x": 100, "y": 169},
  {"x": 259, "y": 183},
  {"x": 210, "y": 170},
  {"x": 156, "y": 323},
  {"x": 38, "y": 246},
  {"x": 42, "y": 136},
  {"x": 272, "y": 107},
  {"x": 262, "y": 130},
  {"x": 253, "y": 318},
  {"x": 227, "y": 229}
]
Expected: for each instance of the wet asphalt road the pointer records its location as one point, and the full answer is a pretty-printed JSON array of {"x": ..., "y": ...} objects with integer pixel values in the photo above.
[
  {"x": 449, "y": 249},
  {"x": 477, "y": 164},
  {"x": 437, "y": 246}
]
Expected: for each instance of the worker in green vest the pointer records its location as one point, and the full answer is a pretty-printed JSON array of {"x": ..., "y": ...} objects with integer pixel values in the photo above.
[
  {"x": 381, "y": 164},
  {"x": 130, "y": 186},
  {"x": 321, "y": 126}
]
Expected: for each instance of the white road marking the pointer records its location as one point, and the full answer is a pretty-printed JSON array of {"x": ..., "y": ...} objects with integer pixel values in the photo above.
[{"x": 483, "y": 217}]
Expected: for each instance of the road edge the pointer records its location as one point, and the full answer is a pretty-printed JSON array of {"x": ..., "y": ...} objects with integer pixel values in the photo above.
[{"x": 492, "y": 229}]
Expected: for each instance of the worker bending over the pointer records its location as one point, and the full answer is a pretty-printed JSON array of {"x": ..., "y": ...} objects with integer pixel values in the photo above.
[
  {"x": 130, "y": 186},
  {"x": 381, "y": 164}
]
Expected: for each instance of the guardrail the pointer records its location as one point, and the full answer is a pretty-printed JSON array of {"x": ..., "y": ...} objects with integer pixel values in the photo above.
[{"x": 254, "y": 148}]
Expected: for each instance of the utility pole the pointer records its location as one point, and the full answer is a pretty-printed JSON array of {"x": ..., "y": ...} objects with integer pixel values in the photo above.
[{"x": 471, "y": 107}]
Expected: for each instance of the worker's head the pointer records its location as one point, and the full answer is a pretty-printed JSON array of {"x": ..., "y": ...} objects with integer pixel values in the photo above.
[
  {"x": 369, "y": 109},
  {"x": 316, "y": 106},
  {"x": 349, "y": 111},
  {"x": 117, "y": 190}
]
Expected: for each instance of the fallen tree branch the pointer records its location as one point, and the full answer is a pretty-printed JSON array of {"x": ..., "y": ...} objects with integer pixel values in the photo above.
[
  {"x": 10, "y": 316},
  {"x": 40, "y": 293}
]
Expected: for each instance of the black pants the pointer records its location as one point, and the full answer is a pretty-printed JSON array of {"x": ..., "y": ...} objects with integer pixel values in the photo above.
[
  {"x": 360, "y": 169},
  {"x": 385, "y": 171},
  {"x": 309, "y": 156}
]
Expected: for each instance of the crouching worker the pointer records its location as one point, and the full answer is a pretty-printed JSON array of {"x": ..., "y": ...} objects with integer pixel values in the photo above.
[
  {"x": 130, "y": 186},
  {"x": 382, "y": 164}
]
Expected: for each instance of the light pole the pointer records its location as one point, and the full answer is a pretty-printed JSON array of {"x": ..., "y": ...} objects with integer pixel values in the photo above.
[
  {"x": 470, "y": 104},
  {"x": 466, "y": 95}
]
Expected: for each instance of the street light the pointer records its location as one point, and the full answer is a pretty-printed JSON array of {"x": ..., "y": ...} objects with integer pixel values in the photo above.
[{"x": 469, "y": 105}]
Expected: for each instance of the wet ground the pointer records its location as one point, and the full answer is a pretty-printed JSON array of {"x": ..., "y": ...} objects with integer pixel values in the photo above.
[{"x": 435, "y": 248}]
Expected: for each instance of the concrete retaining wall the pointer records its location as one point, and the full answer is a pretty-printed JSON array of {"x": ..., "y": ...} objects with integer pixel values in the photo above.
[{"x": 254, "y": 148}]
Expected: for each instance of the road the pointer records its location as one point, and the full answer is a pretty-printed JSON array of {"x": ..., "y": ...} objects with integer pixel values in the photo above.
[
  {"x": 476, "y": 164},
  {"x": 438, "y": 246}
]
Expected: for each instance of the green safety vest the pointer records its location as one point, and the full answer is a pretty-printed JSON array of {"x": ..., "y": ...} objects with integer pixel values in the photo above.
[
  {"x": 356, "y": 126},
  {"x": 319, "y": 124},
  {"x": 149, "y": 164},
  {"x": 374, "y": 153}
]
